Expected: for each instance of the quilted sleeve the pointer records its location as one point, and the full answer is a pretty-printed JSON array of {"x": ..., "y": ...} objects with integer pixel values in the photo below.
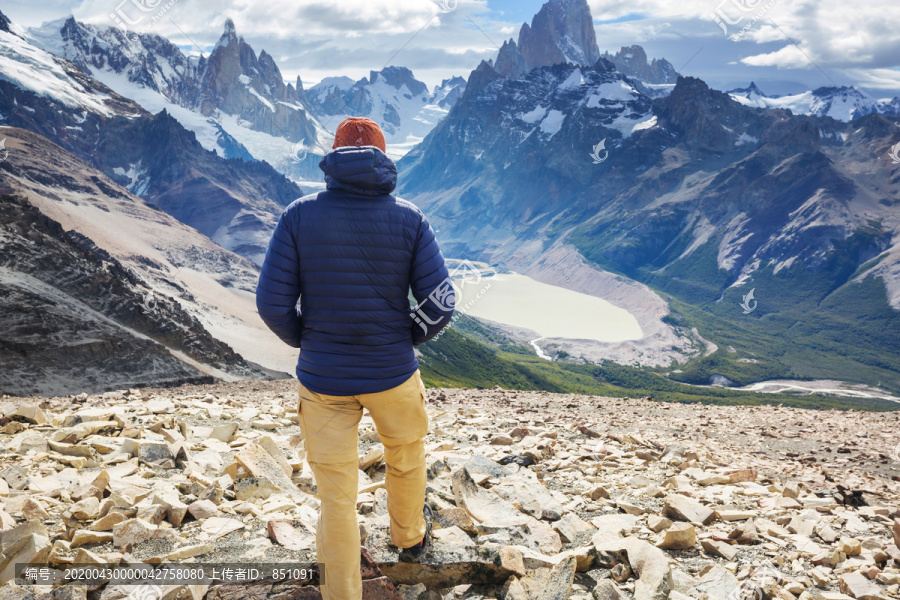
[
  {"x": 279, "y": 284},
  {"x": 431, "y": 287}
]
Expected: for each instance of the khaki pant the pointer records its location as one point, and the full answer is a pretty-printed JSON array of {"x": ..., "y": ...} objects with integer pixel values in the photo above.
[{"x": 330, "y": 429}]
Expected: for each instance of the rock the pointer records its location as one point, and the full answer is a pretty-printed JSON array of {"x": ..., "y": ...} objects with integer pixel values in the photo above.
[
  {"x": 203, "y": 509},
  {"x": 218, "y": 527},
  {"x": 679, "y": 536},
  {"x": 585, "y": 557},
  {"x": 735, "y": 515},
  {"x": 545, "y": 536},
  {"x": 827, "y": 534},
  {"x": 857, "y": 586},
  {"x": 682, "y": 508},
  {"x": 716, "y": 584},
  {"x": 511, "y": 558},
  {"x": 652, "y": 567},
  {"x": 896, "y": 531},
  {"x": 249, "y": 488},
  {"x": 224, "y": 433},
  {"x": 446, "y": 567},
  {"x": 742, "y": 475},
  {"x": 31, "y": 414},
  {"x": 513, "y": 590},
  {"x": 615, "y": 525},
  {"x": 86, "y": 510},
  {"x": 85, "y": 536},
  {"x": 571, "y": 526},
  {"x": 156, "y": 454},
  {"x": 486, "y": 508},
  {"x": 190, "y": 551},
  {"x": 598, "y": 492},
  {"x": 373, "y": 456},
  {"x": 657, "y": 523},
  {"x": 133, "y": 531},
  {"x": 28, "y": 442},
  {"x": 629, "y": 508},
  {"x": 15, "y": 477},
  {"x": 456, "y": 517},
  {"x": 454, "y": 536},
  {"x": 791, "y": 490},
  {"x": 257, "y": 461},
  {"x": 175, "y": 508},
  {"x": 746, "y": 533},
  {"x": 607, "y": 590},
  {"x": 33, "y": 511},
  {"x": 412, "y": 592},
  {"x": 715, "y": 548},
  {"x": 29, "y": 549},
  {"x": 559, "y": 582},
  {"x": 621, "y": 573},
  {"x": 153, "y": 514},
  {"x": 293, "y": 535},
  {"x": 849, "y": 546},
  {"x": 804, "y": 524}
]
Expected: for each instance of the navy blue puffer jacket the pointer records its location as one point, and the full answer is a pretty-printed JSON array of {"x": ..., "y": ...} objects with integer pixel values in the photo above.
[{"x": 350, "y": 256}]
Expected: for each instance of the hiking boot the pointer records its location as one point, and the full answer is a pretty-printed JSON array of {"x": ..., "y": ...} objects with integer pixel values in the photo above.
[{"x": 420, "y": 550}]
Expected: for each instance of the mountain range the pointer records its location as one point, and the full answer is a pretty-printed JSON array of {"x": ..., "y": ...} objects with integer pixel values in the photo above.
[
  {"x": 392, "y": 97},
  {"x": 843, "y": 103},
  {"x": 573, "y": 175},
  {"x": 101, "y": 290},
  {"x": 236, "y": 101},
  {"x": 607, "y": 174}
]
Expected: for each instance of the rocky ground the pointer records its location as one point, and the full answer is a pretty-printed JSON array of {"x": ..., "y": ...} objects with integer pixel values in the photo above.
[{"x": 536, "y": 496}]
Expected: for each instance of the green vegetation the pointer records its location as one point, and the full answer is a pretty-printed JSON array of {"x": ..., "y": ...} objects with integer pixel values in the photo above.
[{"x": 470, "y": 355}]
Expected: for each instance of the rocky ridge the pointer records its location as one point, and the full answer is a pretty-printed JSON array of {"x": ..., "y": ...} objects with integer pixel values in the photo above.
[{"x": 535, "y": 495}]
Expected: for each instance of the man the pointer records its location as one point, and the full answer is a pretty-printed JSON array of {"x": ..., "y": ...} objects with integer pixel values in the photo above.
[{"x": 350, "y": 256}]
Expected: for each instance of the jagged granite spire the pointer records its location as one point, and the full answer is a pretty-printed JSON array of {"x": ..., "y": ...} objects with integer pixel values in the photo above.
[
  {"x": 632, "y": 61},
  {"x": 561, "y": 32}
]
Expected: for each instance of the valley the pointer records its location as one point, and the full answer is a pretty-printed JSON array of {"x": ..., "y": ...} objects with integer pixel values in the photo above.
[{"x": 626, "y": 210}]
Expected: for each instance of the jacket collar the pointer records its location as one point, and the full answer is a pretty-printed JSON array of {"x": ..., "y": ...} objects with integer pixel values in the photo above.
[{"x": 364, "y": 170}]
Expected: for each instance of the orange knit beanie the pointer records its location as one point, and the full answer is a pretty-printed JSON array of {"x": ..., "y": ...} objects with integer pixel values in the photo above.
[{"x": 359, "y": 131}]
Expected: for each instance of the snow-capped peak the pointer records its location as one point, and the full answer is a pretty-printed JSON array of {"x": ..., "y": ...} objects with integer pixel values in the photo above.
[{"x": 842, "y": 103}]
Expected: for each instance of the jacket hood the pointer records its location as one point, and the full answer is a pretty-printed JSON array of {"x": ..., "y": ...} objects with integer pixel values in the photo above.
[{"x": 364, "y": 170}]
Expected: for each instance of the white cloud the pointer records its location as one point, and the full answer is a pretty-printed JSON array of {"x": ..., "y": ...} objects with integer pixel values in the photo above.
[{"x": 854, "y": 44}]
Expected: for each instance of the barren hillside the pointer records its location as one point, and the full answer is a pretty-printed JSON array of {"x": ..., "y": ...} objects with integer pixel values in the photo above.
[{"x": 536, "y": 496}]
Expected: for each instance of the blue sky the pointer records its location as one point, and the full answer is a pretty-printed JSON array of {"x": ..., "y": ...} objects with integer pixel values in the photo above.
[{"x": 784, "y": 45}]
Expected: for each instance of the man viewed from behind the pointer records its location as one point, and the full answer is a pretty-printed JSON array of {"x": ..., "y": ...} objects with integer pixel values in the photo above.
[{"x": 350, "y": 255}]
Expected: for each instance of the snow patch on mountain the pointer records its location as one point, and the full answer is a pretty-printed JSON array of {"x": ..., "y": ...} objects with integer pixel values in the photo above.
[
  {"x": 841, "y": 103},
  {"x": 552, "y": 123},
  {"x": 393, "y": 98},
  {"x": 38, "y": 71}
]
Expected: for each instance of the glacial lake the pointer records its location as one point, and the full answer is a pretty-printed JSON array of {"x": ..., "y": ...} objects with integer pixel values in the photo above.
[{"x": 549, "y": 310}]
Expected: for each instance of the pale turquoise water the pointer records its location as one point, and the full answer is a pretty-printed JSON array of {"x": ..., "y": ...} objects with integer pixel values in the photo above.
[{"x": 549, "y": 310}]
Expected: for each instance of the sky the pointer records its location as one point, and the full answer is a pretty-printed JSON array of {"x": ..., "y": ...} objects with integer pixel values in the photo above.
[{"x": 785, "y": 46}]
